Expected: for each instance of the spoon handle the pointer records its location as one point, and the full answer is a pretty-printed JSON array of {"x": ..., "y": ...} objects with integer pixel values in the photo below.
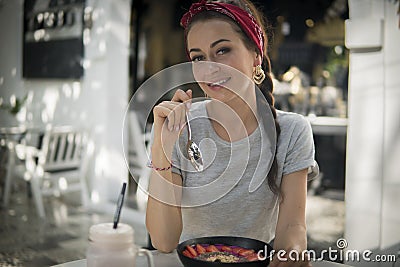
[{"x": 188, "y": 127}]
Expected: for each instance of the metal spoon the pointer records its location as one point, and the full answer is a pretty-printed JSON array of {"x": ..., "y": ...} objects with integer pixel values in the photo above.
[{"x": 193, "y": 149}]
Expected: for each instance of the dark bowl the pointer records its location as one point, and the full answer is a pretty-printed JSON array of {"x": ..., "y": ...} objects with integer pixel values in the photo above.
[{"x": 247, "y": 243}]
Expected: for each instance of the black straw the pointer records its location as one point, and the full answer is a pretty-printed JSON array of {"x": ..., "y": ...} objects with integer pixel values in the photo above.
[{"x": 119, "y": 206}]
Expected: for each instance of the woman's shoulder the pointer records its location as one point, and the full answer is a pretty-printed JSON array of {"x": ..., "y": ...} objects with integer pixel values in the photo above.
[
  {"x": 286, "y": 116},
  {"x": 288, "y": 120}
]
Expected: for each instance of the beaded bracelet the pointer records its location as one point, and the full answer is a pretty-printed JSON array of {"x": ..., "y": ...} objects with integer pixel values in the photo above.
[{"x": 150, "y": 165}]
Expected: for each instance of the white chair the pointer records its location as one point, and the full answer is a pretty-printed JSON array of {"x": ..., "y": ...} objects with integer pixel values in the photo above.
[
  {"x": 56, "y": 167},
  {"x": 138, "y": 157}
]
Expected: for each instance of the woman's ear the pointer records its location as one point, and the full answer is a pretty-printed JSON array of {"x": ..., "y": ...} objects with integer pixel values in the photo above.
[{"x": 257, "y": 60}]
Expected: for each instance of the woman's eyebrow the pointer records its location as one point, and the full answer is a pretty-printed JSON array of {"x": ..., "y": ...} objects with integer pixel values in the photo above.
[
  {"x": 211, "y": 46},
  {"x": 194, "y": 50},
  {"x": 218, "y": 41}
]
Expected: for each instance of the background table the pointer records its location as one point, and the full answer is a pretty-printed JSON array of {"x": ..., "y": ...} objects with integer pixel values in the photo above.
[{"x": 328, "y": 125}]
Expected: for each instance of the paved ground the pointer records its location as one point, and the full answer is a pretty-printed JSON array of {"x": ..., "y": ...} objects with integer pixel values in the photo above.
[{"x": 325, "y": 220}]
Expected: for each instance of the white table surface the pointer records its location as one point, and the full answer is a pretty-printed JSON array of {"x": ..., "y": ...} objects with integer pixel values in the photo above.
[
  {"x": 172, "y": 260},
  {"x": 328, "y": 125}
]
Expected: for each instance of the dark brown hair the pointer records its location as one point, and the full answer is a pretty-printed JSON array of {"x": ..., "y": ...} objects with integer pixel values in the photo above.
[{"x": 267, "y": 86}]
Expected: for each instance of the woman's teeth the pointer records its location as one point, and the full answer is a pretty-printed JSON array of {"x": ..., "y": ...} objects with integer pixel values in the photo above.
[{"x": 219, "y": 82}]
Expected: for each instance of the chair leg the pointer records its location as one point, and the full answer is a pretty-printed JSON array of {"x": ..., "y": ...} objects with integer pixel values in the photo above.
[
  {"x": 37, "y": 196},
  {"x": 84, "y": 192},
  {"x": 7, "y": 185}
]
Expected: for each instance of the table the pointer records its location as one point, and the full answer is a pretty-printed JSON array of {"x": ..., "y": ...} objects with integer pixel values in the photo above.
[
  {"x": 328, "y": 125},
  {"x": 12, "y": 130},
  {"x": 172, "y": 260},
  {"x": 330, "y": 149}
]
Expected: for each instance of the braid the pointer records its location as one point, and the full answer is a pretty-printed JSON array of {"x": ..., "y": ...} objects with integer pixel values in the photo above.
[{"x": 267, "y": 88}]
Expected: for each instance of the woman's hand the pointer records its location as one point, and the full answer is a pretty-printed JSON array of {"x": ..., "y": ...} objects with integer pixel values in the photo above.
[{"x": 169, "y": 119}]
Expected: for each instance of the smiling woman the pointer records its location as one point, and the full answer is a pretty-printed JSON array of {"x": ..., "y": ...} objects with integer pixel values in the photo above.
[
  {"x": 217, "y": 42},
  {"x": 236, "y": 127}
]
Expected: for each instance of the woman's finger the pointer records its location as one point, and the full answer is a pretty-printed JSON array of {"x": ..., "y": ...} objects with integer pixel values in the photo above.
[
  {"x": 186, "y": 98},
  {"x": 165, "y": 110},
  {"x": 180, "y": 115},
  {"x": 161, "y": 111},
  {"x": 182, "y": 96},
  {"x": 176, "y": 116},
  {"x": 183, "y": 116},
  {"x": 189, "y": 102},
  {"x": 164, "y": 113},
  {"x": 175, "y": 110}
]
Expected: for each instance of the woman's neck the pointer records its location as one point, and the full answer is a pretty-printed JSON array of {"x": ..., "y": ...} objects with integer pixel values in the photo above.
[{"x": 234, "y": 120}]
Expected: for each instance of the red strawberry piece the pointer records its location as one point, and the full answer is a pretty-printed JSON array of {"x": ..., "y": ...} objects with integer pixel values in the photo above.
[
  {"x": 187, "y": 253},
  {"x": 237, "y": 249},
  {"x": 226, "y": 248},
  {"x": 200, "y": 249},
  {"x": 245, "y": 252},
  {"x": 212, "y": 248},
  {"x": 252, "y": 257},
  {"x": 191, "y": 250}
]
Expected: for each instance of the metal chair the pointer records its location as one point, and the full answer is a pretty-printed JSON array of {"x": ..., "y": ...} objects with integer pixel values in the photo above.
[{"x": 57, "y": 166}]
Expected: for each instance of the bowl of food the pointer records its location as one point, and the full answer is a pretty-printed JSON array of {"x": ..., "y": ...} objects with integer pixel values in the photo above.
[{"x": 224, "y": 251}]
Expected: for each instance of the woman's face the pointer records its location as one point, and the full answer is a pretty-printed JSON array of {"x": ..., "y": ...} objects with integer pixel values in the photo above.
[{"x": 215, "y": 41}]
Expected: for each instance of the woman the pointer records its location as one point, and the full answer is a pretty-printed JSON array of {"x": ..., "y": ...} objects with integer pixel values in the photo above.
[{"x": 222, "y": 38}]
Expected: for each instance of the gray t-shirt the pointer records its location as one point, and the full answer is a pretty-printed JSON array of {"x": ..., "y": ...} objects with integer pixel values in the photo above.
[{"x": 217, "y": 201}]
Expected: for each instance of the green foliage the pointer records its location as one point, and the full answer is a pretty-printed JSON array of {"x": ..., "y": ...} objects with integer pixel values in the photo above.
[
  {"x": 335, "y": 61},
  {"x": 14, "y": 108}
]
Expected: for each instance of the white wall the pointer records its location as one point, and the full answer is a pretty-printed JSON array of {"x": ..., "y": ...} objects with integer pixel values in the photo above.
[
  {"x": 10, "y": 55},
  {"x": 97, "y": 102},
  {"x": 373, "y": 148}
]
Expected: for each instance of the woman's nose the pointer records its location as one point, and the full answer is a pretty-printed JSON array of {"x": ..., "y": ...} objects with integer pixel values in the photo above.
[
  {"x": 205, "y": 69},
  {"x": 211, "y": 67}
]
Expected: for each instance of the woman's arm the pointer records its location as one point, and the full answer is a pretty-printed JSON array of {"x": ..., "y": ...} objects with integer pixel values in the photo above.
[
  {"x": 163, "y": 213},
  {"x": 164, "y": 221},
  {"x": 291, "y": 231}
]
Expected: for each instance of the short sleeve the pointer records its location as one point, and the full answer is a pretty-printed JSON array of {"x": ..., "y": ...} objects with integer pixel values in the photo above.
[{"x": 301, "y": 150}]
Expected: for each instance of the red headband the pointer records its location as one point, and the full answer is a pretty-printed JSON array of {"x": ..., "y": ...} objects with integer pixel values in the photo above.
[{"x": 245, "y": 20}]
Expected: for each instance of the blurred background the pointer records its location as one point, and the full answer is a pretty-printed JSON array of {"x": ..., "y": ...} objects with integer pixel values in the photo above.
[{"x": 68, "y": 69}]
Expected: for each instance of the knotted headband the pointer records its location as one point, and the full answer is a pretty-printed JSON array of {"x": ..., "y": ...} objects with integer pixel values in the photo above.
[{"x": 245, "y": 20}]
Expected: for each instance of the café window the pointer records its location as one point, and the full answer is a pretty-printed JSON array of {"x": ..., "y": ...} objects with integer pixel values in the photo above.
[{"x": 53, "y": 39}]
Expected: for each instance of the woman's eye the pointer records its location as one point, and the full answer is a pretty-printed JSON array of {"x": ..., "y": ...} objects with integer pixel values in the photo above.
[
  {"x": 222, "y": 51},
  {"x": 197, "y": 58}
]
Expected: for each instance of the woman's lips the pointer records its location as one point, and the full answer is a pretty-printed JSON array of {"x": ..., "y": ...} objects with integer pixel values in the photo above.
[{"x": 218, "y": 83}]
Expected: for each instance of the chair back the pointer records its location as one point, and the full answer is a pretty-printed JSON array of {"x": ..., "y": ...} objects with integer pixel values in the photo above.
[
  {"x": 55, "y": 164},
  {"x": 63, "y": 149}
]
